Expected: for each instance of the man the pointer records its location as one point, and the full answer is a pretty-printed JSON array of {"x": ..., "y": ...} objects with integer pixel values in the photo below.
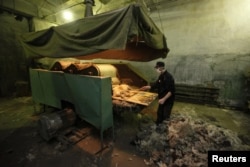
[{"x": 166, "y": 92}]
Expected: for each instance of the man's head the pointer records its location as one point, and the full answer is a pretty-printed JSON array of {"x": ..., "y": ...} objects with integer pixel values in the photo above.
[{"x": 160, "y": 66}]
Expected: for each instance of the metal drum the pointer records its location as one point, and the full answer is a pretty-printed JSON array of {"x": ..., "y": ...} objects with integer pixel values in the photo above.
[{"x": 50, "y": 124}]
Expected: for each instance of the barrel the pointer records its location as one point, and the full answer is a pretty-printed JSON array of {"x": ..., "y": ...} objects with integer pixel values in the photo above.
[{"x": 50, "y": 124}]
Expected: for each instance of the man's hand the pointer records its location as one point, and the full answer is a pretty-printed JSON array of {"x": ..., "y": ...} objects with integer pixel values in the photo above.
[
  {"x": 162, "y": 101},
  {"x": 145, "y": 88}
]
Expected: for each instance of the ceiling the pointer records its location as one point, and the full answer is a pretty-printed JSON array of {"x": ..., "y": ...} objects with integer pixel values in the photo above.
[
  {"x": 51, "y": 10},
  {"x": 57, "y": 5}
]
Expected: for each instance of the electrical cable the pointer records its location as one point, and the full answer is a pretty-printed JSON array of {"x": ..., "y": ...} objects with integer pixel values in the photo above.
[{"x": 159, "y": 16}]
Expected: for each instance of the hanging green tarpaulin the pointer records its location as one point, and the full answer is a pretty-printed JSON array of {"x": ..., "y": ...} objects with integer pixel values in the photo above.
[{"x": 94, "y": 34}]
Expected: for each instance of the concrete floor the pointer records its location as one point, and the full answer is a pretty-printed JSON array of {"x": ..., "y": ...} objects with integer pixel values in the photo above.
[{"x": 21, "y": 145}]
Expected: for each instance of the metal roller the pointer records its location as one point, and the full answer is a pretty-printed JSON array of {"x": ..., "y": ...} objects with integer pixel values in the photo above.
[{"x": 110, "y": 71}]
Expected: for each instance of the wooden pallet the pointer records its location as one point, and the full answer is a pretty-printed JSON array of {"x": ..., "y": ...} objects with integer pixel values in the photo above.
[
  {"x": 140, "y": 97},
  {"x": 197, "y": 94}
]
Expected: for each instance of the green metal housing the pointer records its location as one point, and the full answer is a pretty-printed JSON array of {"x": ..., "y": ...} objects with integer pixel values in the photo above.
[{"x": 90, "y": 95}]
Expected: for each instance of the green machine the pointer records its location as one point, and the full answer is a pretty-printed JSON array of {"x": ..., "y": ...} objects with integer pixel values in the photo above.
[
  {"x": 129, "y": 34},
  {"x": 91, "y": 96}
]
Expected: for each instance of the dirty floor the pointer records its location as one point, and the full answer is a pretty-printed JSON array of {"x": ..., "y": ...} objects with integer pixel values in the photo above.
[{"x": 21, "y": 144}]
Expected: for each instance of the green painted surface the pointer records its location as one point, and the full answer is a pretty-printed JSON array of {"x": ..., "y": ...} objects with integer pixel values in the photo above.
[{"x": 91, "y": 96}]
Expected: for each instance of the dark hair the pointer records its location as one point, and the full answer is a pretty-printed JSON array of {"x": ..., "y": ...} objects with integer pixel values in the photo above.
[{"x": 160, "y": 64}]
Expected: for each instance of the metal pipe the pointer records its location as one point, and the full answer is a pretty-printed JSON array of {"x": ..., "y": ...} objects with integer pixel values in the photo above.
[{"x": 88, "y": 9}]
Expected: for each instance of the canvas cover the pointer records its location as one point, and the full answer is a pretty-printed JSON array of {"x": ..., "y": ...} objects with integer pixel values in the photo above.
[{"x": 108, "y": 31}]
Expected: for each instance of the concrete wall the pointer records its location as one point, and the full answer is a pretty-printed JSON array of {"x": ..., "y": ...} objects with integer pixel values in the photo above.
[
  {"x": 13, "y": 66},
  {"x": 209, "y": 45},
  {"x": 12, "y": 61}
]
